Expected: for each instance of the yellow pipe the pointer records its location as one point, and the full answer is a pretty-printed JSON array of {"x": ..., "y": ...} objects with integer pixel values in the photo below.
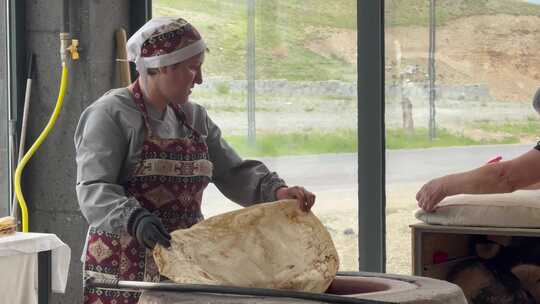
[{"x": 35, "y": 146}]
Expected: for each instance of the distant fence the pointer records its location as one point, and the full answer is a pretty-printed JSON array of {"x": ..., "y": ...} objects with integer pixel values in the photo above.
[
  {"x": 474, "y": 92},
  {"x": 285, "y": 87}
]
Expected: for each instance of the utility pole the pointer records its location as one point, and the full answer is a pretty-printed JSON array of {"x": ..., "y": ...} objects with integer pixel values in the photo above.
[
  {"x": 431, "y": 70},
  {"x": 250, "y": 65},
  {"x": 399, "y": 81}
]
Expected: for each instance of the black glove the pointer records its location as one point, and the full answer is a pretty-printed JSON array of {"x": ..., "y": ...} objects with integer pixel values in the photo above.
[{"x": 148, "y": 229}]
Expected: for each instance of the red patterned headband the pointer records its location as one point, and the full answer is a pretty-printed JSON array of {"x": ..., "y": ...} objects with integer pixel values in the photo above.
[{"x": 164, "y": 43}]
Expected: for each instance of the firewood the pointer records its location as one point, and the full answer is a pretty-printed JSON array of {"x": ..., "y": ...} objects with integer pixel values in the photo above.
[
  {"x": 487, "y": 250},
  {"x": 471, "y": 277},
  {"x": 502, "y": 240},
  {"x": 529, "y": 276},
  {"x": 485, "y": 284}
]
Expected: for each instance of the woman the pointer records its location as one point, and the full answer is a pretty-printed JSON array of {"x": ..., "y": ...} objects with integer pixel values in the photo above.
[
  {"x": 522, "y": 172},
  {"x": 145, "y": 154}
]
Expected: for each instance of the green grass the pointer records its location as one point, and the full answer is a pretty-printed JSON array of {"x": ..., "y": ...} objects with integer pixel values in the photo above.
[
  {"x": 416, "y": 12},
  {"x": 514, "y": 130},
  {"x": 399, "y": 139},
  {"x": 342, "y": 141},
  {"x": 345, "y": 141}
]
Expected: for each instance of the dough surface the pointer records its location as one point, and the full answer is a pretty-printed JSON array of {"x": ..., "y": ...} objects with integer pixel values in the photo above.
[{"x": 271, "y": 245}]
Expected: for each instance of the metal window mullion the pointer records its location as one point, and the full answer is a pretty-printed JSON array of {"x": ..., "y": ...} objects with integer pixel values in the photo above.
[
  {"x": 371, "y": 137},
  {"x": 8, "y": 95},
  {"x": 16, "y": 56},
  {"x": 140, "y": 13}
]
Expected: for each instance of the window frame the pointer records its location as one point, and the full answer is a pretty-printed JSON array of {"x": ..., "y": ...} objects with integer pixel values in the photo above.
[
  {"x": 371, "y": 150},
  {"x": 16, "y": 66}
]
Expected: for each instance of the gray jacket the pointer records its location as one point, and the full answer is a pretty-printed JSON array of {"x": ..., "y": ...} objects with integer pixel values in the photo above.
[{"x": 108, "y": 141}]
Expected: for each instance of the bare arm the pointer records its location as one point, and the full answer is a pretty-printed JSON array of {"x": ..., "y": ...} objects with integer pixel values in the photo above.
[
  {"x": 535, "y": 186},
  {"x": 500, "y": 177}
]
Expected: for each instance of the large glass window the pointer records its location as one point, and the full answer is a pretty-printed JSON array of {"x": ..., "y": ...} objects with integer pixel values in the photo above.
[
  {"x": 280, "y": 81},
  {"x": 472, "y": 104},
  {"x": 4, "y": 160}
]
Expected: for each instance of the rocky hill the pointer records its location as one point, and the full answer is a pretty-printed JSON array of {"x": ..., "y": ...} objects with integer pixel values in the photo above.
[{"x": 501, "y": 52}]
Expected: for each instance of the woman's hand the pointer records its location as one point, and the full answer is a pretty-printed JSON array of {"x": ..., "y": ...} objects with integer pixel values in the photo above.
[
  {"x": 432, "y": 193},
  {"x": 304, "y": 198}
]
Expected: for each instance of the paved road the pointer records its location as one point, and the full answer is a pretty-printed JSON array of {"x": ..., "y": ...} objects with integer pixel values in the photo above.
[
  {"x": 335, "y": 175},
  {"x": 419, "y": 165}
]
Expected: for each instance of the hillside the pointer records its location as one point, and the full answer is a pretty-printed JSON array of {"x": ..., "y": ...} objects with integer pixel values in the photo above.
[
  {"x": 416, "y": 12},
  {"x": 487, "y": 42},
  {"x": 477, "y": 50},
  {"x": 285, "y": 31}
]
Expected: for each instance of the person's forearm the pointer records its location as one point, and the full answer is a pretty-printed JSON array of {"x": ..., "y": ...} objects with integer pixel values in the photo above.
[
  {"x": 105, "y": 206},
  {"x": 535, "y": 186},
  {"x": 493, "y": 178}
]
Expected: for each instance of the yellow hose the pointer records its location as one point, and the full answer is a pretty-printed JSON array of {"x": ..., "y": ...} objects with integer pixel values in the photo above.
[{"x": 35, "y": 146}]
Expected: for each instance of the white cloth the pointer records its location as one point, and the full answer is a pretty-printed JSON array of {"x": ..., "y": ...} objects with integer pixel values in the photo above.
[
  {"x": 17, "y": 279},
  {"x": 519, "y": 209},
  {"x": 18, "y": 249}
]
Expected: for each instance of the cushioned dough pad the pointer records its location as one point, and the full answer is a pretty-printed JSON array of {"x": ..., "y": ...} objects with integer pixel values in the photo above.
[
  {"x": 520, "y": 209},
  {"x": 272, "y": 245}
]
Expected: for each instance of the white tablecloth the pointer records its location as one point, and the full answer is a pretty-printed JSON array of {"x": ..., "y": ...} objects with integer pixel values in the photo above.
[{"x": 18, "y": 265}]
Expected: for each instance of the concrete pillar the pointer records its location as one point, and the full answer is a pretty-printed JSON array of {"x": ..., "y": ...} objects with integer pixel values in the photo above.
[{"x": 49, "y": 179}]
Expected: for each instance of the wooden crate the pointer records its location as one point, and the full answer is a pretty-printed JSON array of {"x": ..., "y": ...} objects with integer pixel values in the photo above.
[{"x": 452, "y": 240}]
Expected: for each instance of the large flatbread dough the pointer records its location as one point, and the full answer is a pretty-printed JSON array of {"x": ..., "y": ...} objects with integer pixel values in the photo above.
[{"x": 272, "y": 245}]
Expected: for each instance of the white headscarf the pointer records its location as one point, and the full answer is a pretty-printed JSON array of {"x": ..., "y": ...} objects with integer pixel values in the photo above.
[{"x": 154, "y": 30}]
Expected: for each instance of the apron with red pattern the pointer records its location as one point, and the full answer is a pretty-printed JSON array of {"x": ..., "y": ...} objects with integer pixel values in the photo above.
[{"x": 168, "y": 181}]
